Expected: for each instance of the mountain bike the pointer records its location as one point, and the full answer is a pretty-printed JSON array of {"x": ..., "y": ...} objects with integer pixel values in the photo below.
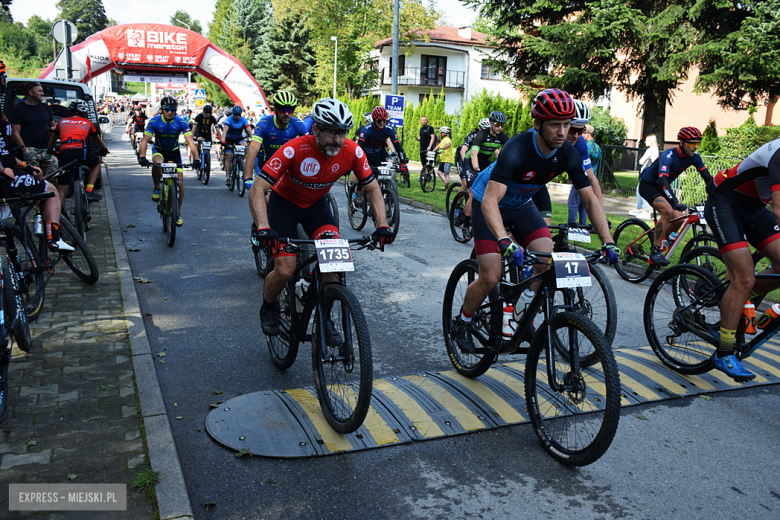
[
  {"x": 634, "y": 238},
  {"x": 204, "y": 173},
  {"x": 237, "y": 171},
  {"x": 358, "y": 208},
  {"x": 574, "y": 408},
  {"x": 682, "y": 320},
  {"x": 168, "y": 205},
  {"x": 454, "y": 187},
  {"x": 428, "y": 174},
  {"x": 460, "y": 223},
  {"x": 341, "y": 346},
  {"x": 80, "y": 213}
]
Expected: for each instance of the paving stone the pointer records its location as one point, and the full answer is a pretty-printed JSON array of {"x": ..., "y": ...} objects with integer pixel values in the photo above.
[
  {"x": 49, "y": 389},
  {"x": 10, "y": 460}
]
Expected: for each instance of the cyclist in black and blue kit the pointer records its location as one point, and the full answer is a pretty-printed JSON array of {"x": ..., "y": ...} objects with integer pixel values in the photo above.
[
  {"x": 655, "y": 185},
  {"x": 375, "y": 138},
  {"x": 503, "y": 195},
  {"x": 235, "y": 126},
  {"x": 165, "y": 128},
  {"x": 272, "y": 132}
]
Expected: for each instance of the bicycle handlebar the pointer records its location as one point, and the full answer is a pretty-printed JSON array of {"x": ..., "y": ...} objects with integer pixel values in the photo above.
[
  {"x": 62, "y": 169},
  {"x": 26, "y": 198},
  {"x": 366, "y": 242}
]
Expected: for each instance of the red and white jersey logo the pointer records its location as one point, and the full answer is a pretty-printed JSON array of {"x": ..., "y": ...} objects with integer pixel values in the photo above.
[
  {"x": 289, "y": 152},
  {"x": 275, "y": 164},
  {"x": 310, "y": 167},
  {"x": 529, "y": 175}
]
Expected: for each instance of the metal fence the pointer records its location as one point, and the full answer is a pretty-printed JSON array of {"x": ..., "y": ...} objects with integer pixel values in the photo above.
[{"x": 618, "y": 174}]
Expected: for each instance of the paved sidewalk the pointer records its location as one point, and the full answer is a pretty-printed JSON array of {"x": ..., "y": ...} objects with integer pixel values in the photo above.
[{"x": 75, "y": 411}]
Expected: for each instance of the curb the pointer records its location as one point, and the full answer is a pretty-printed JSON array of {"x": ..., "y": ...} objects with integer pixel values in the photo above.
[{"x": 173, "y": 500}]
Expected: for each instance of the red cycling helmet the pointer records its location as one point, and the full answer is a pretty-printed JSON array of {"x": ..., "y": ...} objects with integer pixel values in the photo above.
[
  {"x": 689, "y": 133},
  {"x": 553, "y": 104},
  {"x": 380, "y": 113}
]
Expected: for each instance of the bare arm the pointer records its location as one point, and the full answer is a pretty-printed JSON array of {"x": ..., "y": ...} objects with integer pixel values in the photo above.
[
  {"x": 193, "y": 147},
  {"x": 257, "y": 202},
  {"x": 494, "y": 192},
  {"x": 52, "y": 142},
  {"x": 17, "y": 136},
  {"x": 374, "y": 195},
  {"x": 475, "y": 159},
  {"x": 251, "y": 155},
  {"x": 142, "y": 146},
  {"x": 594, "y": 183}
]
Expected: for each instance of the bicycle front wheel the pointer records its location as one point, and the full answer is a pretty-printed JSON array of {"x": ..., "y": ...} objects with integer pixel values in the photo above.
[
  {"x": 683, "y": 301},
  {"x": 576, "y": 423},
  {"x": 427, "y": 179},
  {"x": 453, "y": 187},
  {"x": 461, "y": 232},
  {"x": 206, "y": 168},
  {"x": 13, "y": 308},
  {"x": 80, "y": 260},
  {"x": 32, "y": 283},
  {"x": 392, "y": 210},
  {"x": 172, "y": 211},
  {"x": 240, "y": 178},
  {"x": 334, "y": 207},
  {"x": 357, "y": 211},
  {"x": 635, "y": 249},
  {"x": 79, "y": 208},
  {"x": 262, "y": 256},
  {"x": 485, "y": 324},
  {"x": 343, "y": 367},
  {"x": 284, "y": 346}
]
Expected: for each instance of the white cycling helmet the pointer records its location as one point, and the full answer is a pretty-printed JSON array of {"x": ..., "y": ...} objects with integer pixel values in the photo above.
[
  {"x": 484, "y": 123},
  {"x": 332, "y": 112},
  {"x": 369, "y": 119},
  {"x": 444, "y": 130},
  {"x": 581, "y": 113}
]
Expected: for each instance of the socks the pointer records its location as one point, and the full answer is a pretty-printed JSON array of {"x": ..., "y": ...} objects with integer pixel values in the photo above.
[
  {"x": 466, "y": 317},
  {"x": 726, "y": 347}
]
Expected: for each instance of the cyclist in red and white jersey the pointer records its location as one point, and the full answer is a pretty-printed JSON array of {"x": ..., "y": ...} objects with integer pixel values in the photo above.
[
  {"x": 736, "y": 210},
  {"x": 299, "y": 176}
]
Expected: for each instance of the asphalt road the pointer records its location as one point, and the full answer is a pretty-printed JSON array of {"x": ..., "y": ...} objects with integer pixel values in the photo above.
[{"x": 687, "y": 458}]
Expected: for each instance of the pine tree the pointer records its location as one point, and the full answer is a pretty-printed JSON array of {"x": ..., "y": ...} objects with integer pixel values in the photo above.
[{"x": 710, "y": 143}]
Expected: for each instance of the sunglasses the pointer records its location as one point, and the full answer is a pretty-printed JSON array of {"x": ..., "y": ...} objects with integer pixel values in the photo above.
[
  {"x": 285, "y": 111},
  {"x": 169, "y": 110},
  {"x": 576, "y": 131}
]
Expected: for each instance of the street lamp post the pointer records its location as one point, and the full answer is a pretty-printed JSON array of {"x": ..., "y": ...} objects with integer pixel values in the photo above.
[
  {"x": 335, "y": 61},
  {"x": 189, "y": 98}
]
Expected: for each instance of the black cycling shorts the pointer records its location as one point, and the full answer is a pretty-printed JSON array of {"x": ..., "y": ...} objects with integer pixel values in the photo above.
[
  {"x": 230, "y": 140},
  {"x": 735, "y": 226},
  {"x": 205, "y": 135},
  {"x": 82, "y": 155},
  {"x": 24, "y": 183},
  {"x": 378, "y": 158},
  {"x": 284, "y": 217},
  {"x": 465, "y": 171},
  {"x": 168, "y": 157},
  {"x": 651, "y": 191},
  {"x": 525, "y": 223},
  {"x": 542, "y": 202}
]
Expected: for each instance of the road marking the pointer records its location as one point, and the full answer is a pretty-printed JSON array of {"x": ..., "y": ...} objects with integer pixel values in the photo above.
[
  {"x": 695, "y": 380},
  {"x": 413, "y": 411},
  {"x": 653, "y": 375},
  {"x": 310, "y": 404},
  {"x": 457, "y": 409},
  {"x": 504, "y": 409}
]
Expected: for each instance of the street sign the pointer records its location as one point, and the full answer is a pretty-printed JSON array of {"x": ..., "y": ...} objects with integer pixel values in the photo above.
[
  {"x": 200, "y": 102},
  {"x": 65, "y": 32},
  {"x": 200, "y": 94},
  {"x": 395, "y": 107}
]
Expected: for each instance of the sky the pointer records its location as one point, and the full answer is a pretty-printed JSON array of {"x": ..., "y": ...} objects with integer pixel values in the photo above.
[{"x": 160, "y": 11}]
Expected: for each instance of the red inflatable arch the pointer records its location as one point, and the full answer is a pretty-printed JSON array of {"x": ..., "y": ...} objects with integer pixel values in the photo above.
[{"x": 163, "y": 49}]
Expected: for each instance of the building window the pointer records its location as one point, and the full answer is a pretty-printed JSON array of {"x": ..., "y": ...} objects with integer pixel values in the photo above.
[
  {"x": 490, "y": 72},
  {"x": 401, "y": 65},
  {"x": 433, "y": 70},
  {"x": 373, "y": 65},
  {"x": 435, "y": 97}
]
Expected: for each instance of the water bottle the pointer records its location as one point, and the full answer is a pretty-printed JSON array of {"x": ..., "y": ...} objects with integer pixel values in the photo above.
[
  {"x": 508, "y": 325},
  {"x": 769, "y": 316},
  {"x": 522, "y": 302},
  {"x": 671, "y": 239},
  {"x": 301, "y": 286},
  {"x": 528, "y": 272},
  {"x": 38, "y": 227},
  {"x": 749, "y": 317}
]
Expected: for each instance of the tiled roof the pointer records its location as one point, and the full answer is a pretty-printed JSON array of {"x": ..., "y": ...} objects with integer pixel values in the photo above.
[{"x": 443, "y": 34}]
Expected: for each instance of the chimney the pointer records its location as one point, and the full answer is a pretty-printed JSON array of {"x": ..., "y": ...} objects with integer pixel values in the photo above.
[{"x": 465, "y": 32}]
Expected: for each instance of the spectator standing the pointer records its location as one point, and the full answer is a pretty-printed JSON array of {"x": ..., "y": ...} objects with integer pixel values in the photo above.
[
  {"x": 427, "y": 139},
  {"x": 447, "y": 157},
  {"x": 642, "y": 207},
  {"x": 31, "y": 122}
]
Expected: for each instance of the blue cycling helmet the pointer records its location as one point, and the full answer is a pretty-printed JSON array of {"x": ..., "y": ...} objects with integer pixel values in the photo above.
[{"x": 237, "y": 110}]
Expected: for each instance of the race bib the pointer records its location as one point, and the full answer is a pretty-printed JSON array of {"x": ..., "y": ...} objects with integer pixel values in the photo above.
[
  {"x": 571, "y": 270},
  {"x": 334, "y": 255}
]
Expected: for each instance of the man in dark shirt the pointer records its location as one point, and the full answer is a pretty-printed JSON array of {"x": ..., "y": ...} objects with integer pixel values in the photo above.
[
  {"x": 31, "y": 122},
  {"x": 427, "y": 139}
]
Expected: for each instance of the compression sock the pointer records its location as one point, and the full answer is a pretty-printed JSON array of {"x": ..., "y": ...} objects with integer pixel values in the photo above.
[
  {"x": 90, "y": 187},
  {"x": 48, "y": 231},
  {"x": 726, "y": 347},
  {"x": 752, "y": 295},
  {"x": 466, "y": 317}
]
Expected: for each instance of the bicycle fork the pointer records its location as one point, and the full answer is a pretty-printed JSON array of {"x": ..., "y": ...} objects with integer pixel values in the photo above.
[{"x": 572, "y": 380}]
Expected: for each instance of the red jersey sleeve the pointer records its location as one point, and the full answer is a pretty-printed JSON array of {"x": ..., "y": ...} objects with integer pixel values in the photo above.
[
  {"x": 92, "y": 129},
  {"x": 359, "y": 163}
]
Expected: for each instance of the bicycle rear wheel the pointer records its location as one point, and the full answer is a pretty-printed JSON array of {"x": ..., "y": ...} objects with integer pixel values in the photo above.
[
  {"x": 206, "y": 168},
  {"x": 79, "y": 208},
  {"x": 357, "y": 211},
  {"x": 342, "y": 363},
  {"x": 457, "y": 216},
  {"x": 80, "y": 260},
  {"x": 284, "y": 346},
  {"x": 454, "y": 186},
  {"x": 32, "y": 280},
  {"x": 683, "y": 300},
  {"x": 13, "y": 308},
  {"x": 575, "y": 425},
  {"x": 232, "y": 184},
  {"x": 485, "y": 324},
  {"x": 172, "y": 211},
  {"x": 427, "y": 179},
  {"x": 635, "y": 250},
  {"x": 240, "y": 178}
]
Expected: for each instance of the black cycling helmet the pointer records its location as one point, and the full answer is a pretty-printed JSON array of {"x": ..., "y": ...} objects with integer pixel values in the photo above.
[
  {"x": 206, "y": 109},
  {"x": 168, "y": 102},
  {"x": 497, "y": 117},
  {"x": 237, "y": 110}
]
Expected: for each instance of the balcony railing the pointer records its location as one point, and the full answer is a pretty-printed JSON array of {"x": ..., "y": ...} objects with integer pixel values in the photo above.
[{"x": 426, "y": 77}]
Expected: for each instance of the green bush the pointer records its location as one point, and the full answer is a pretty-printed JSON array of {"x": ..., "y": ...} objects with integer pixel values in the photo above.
[
  {"x": 710, "y": 143},
  {"x": 741, "y": 141}
]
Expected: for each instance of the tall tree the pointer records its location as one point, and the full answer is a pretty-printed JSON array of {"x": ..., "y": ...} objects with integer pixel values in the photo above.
[
  {"x": 89, "y": 16},
  {"x": 644, "y": 48},
  {"x": 182, "y": 18}
]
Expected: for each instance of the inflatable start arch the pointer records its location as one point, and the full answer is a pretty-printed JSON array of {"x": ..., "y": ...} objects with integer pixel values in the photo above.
[{"x": 163, "y": 49}]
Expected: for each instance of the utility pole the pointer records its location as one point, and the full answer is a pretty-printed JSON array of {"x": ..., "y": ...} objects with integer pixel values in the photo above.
[{"x": 394, "y": 71}]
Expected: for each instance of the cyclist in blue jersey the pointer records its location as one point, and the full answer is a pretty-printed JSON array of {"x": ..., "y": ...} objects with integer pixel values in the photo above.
[
  {"x": 655, "y": 185},
  {"x": 308, "y": 122},
  {"x": 165, "y": 129},
  {"x": 235, "y": 126},
  {"x": 374, "y": 139},
  {"x": 503, "y": 195},
  {"x": 273, "y": 132}
]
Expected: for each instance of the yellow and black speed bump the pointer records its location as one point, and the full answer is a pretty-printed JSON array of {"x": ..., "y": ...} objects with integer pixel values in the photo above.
[{"x": 290, "y": 424}]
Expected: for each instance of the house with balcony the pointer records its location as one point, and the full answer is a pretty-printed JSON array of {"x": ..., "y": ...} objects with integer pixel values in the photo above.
[{"x": 452, "y": 58}]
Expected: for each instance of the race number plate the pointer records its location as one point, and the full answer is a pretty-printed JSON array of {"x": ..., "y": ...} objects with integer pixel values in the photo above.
[
  {"x": 700, "y": 212},
  {"x": 139, "y": 136},
  {"x": 579, "y": 235},
  {"x": 334, "y": 255},
  {"x": 571, "y": 270},
  {"x": 169, "y": 170},
  {"x": 431, "y": 155},
  {"x": 384, "y": 173},
  {"x": 206, "y": 145},
  {"x": 240, "y": 149}
]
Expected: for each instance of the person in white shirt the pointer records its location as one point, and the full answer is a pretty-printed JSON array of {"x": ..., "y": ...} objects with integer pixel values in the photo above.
[{"x": 642, "y": 206}]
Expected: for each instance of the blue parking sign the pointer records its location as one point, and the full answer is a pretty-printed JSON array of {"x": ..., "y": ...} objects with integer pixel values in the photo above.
[{"x": 395, "y": 107}]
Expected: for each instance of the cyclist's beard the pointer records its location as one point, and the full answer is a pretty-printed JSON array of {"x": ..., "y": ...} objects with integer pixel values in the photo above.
[{"x": 328, "y": 148}]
